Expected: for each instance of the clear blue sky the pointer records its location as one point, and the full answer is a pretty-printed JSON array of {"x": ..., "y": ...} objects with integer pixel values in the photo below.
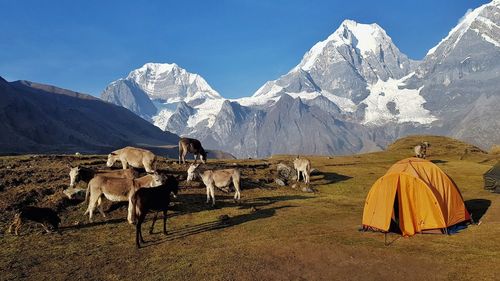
[{"x": 235, "y": 45}]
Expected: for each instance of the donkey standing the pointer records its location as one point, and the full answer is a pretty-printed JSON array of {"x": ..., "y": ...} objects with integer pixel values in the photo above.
[
  {"x": 302, "y": 165},
  {"x": 216, "y": 178},
  {"x": 187, "y": 145},
  {"x": 115, "y": 189},
  {"x": 153, "y": 199}
]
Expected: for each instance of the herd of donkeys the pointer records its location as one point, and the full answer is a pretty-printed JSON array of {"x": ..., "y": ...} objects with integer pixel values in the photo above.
[{"x": 149, "y": 193}]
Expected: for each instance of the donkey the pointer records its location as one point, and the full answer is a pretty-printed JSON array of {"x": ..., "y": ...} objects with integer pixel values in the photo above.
[
  {"x": 216, "y": 178},
  {"x": 135, "y": 157},
  {"x": 115, "y": 189},
  {"x": 302, "y": 165},
  {"x": 46, "y": 217},
  {"x": 421, "y": 150},
  {"x": 80, "y": 173},
  {"x": 192, "y": 146},
  {"x": 153, "y": 199}
]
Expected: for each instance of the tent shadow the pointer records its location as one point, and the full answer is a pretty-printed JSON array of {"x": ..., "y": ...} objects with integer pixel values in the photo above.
[
  {"x": 437, "y": 161},
  {"x": 477, "y": 208}
]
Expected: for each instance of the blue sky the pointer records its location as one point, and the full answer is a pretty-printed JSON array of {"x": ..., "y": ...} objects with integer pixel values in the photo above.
[{"x": 235, "y": 45}]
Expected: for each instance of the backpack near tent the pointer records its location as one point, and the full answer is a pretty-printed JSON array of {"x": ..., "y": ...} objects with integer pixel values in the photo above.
[
  {"x": 416, "y": 196},
  {"x": 492, "y": 179}
]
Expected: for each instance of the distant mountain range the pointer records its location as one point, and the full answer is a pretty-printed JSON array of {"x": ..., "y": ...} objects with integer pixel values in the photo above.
[
  {"x": 353, "y": 92},
  {"x": 37, "y": 118}
]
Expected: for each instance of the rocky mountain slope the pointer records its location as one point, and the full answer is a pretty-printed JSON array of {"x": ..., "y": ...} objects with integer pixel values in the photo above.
[{"x": 39, "y": 118}]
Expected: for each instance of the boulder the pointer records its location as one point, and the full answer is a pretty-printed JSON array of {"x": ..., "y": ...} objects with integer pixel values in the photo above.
[
  {"x": 279, "y": 182},
  {"x": 307, "y": 189},
  {"x": 285, "y": 172}
]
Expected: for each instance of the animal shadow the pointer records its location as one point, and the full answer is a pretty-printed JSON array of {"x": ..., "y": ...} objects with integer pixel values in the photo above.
[
  {"x": 93, "y": 224},
  {"x": 334, "y": 177},
  {"x": 477, "y": 208},
  {"x": 215, "y": 225}
]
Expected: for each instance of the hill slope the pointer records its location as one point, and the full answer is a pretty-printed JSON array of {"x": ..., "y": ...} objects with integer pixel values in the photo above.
[{"x": 39, "y": 118}]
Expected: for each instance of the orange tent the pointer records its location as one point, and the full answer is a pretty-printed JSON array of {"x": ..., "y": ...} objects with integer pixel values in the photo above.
[{"x": 427, "y": 199}]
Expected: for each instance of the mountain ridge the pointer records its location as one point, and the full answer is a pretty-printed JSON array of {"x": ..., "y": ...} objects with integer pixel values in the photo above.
[{"x": 358, "y": 80}]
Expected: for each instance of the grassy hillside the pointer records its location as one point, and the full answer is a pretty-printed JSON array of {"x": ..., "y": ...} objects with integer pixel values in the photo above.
[{"x": 275, "y": 233}]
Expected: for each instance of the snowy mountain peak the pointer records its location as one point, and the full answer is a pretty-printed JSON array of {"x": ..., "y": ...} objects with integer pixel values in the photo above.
[
  {"x": 167, "y": 82},
  {"x": 152, "y": 68},
  {"x": 340, "y": 68},
  {"x": 367, "y": 38},
  {"x": 482, "y": 20}
]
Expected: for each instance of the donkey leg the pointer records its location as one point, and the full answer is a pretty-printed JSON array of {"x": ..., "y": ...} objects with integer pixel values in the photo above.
[
  {"x": 99, "y": 203},
  {"x": 138, "y": 234},
  {"x": 131, "y": 209},
  {"x": 91, "y": 207},
  {"x": 212, "y": 193},
  {"x": 208, "y": 194},
  {"x": 18, "y": 226},
  {"x": 16, "y": 218},
  {"x": 45, "y": 228},
  {"x": 165, "y": 221},
  {"x": 184, "y": 153},
  {"x": 153, "y": 224}
]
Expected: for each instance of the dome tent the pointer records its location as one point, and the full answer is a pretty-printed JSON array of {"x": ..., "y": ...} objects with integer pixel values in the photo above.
[{"x": 417, "y": 195}]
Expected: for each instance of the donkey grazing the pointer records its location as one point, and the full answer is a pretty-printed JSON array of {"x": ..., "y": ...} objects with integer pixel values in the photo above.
[
  {"x": 192, "y": 146},
  {"x": 421, "y": 149},
  {"x": 135, "y": 157},
  {"x": 216, "y": 178},
  {"x": 115, "y": 189},
  {"x": 46, "y": 217},
  {"x": 153, "y": 199},
  {"x": 302, "y": 165},
  {"x": 80, "y": 173}
]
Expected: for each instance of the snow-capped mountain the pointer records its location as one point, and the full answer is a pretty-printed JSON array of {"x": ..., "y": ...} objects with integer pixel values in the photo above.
[
  {"x": 170, "y": 83},
  {"x": 353, "y": 92},
  {"x": 160, "y": 92},
  {"x": 356, "y": 67},
  {"x": 460, "y": 78}
]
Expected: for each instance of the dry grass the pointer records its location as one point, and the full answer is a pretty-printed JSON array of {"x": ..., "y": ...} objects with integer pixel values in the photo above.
[
  {"x": 274, "y": 234},
  {"x": 495, "y": 149}
]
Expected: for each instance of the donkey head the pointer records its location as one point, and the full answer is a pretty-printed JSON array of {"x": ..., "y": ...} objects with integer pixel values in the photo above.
[
  {"x": 74, "y": 173},
  {"x": 112, "y": 157},
  {"x": 191, "y": 172}
]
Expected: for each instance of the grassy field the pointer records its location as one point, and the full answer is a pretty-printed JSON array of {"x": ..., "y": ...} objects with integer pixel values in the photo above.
[{"x": 275, "y": 233}]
